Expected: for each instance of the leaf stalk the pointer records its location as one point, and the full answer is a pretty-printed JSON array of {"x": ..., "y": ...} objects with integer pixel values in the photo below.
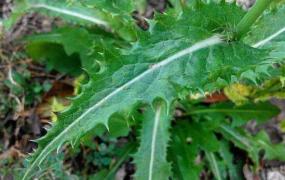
[{"x": 252, "y": 15}]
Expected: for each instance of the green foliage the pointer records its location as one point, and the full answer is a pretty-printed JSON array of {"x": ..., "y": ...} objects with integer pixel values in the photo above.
[
  {"x": 253, "y": 145},
  {"x": 54, "y": 56},
  {"x": 129, "y": 69},
  {"x": 62, "y": 51},
  {"x": 268, "y": 24},
  {"x": 241, "y": 93},
  {"x": 114, "y": 18},
  {"x": 198, "y": 133},
  {"x": 227, "y": 160},
  {"x": 151, "y": 156},
  {"x": 183, "y": 156},
  {"x": 106, "y": 156},
  {"x": 240, "y": 114}
]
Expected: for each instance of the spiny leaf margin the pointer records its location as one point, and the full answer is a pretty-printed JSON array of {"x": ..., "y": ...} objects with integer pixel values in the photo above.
[{"x": 98, "y": 100}]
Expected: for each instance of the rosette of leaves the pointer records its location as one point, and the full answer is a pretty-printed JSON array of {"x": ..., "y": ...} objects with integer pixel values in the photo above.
[{"x": 179, "y": 54}]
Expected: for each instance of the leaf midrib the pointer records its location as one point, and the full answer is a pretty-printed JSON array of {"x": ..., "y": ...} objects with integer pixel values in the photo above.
[
  {"x": 214, "y": 40},
  {"x": 71, "y": 13},
  {"x": 153, "y": 141}
]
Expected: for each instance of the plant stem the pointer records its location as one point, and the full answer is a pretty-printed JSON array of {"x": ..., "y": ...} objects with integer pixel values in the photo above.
[{"x": 247, "y": 21}]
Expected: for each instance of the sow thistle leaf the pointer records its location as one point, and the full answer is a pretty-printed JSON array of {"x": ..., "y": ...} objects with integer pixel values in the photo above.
[
  {"x": 151, "y": 156},
  {"x": 62, "y": 51},
  {"x": 91, "y": 13},
  {"x": 177, "y": 55},
  {"x": 78, "y": 13},
  {"x": 228, "y": 161},
  {"x": 216, "y": 120},
  {"x": 222, "y": 164},
  {"x": 267, "y": 28},
  {"x": 183, "y": 153},
  {"x": 240, "y": 114},
  {"x": 214, "y": 165},
  {"x": 272, "y": 151},
  {"x": 108, "y": 94},
  {"x": 186, "y": 145},
  {"x": 54, "y": 56},
  {"x": 253, "y": 144},
  {"x": 269, "y": 32},
  {"x": 119, "y": 7}
]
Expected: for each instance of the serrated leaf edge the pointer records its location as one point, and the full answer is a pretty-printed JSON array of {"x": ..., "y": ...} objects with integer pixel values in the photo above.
[{"x": 214, "y": 40}]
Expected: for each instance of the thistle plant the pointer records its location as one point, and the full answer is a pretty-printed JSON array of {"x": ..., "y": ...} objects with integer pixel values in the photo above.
[{"x": 193, "y": 48}]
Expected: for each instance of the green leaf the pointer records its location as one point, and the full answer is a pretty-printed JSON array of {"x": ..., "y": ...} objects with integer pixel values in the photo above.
[
  {"x": 188, "y": 140},
  {"x": 186, "y": 145},
  {"x": 240, "y": 114},
  {"x": 272, "y": 151},
  {"x": 122, "y": 156},
  {"x": 218, "y": 114},
  {"x": 221, "y": 163},
  {"x": 183, "y": 153},
  {"x": 120, "y": 7},
  {"x": 209, "y": 121},
  {"x": 150, "y": 159},
  {"x": 269, "y": 32},
  {"x": 241, "y": 141},
  {"x": 54, "y": 56},
  {"x": 228, "y": 160},
  {"x": 89, "y": 13},
  {"x": 273, "y": 88},
  {"x": 177, "y": 55},
  {"x": 212, "y": 159},
  {"x": 99, "y": 175},
  {"x": 208, "y": 141},
  {"x": 61, "y": 50},
  {"x": 267, "y": 28},
  {"x": 254, "y": 144},
  {"x": 68, "y": 38},
  {"x": 119, "y": 126}
]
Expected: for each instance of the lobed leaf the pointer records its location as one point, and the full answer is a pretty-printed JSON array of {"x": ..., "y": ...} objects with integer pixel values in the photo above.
[
  {"x": 108, "y": 16},
  {"x": 177, "y": 55},
  {"x": 61, "y": 50},
  {"x": 233, "y": 170},
  {"x": 185, "y": 148},
  {"x": 223, "y": 119},
  {"x": 253, "y": 145},
  {"x": 150, "y": 159}
]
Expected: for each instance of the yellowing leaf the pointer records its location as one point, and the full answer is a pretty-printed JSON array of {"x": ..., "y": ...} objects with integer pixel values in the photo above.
[{"x": 238, "y": 93}]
